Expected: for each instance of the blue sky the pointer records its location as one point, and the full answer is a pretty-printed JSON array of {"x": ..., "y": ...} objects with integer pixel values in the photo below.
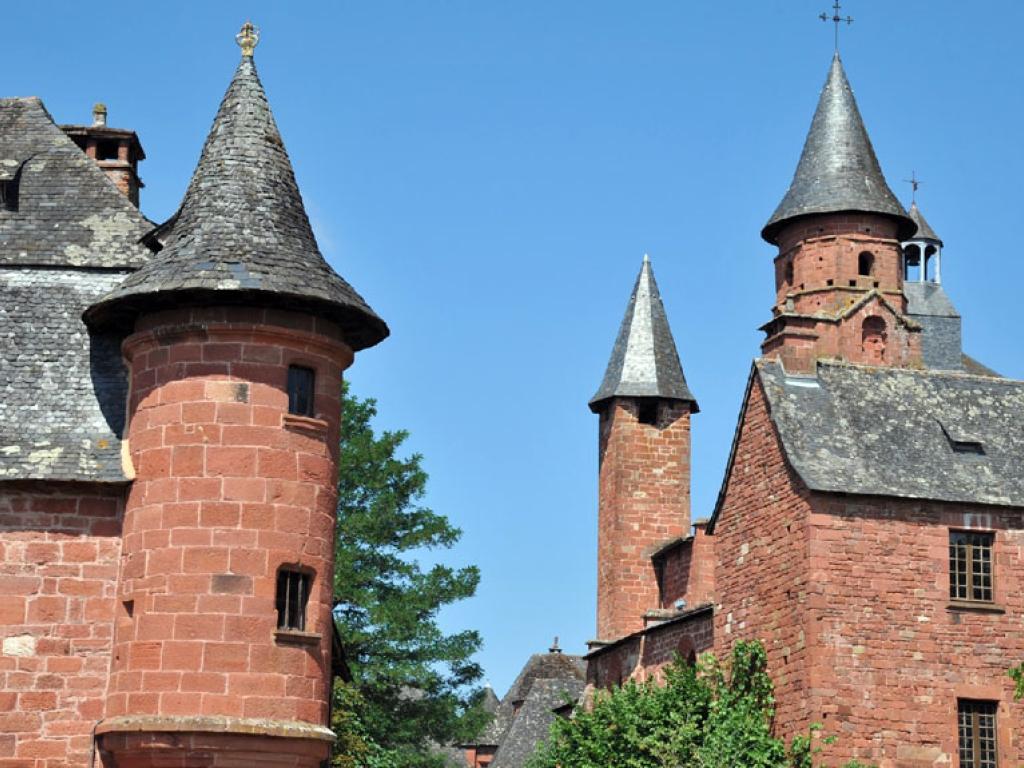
[{"x": 489, "y": 174}]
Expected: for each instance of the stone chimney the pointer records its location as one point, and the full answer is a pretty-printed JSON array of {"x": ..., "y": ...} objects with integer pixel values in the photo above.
[{"x": 116, "y": 150}]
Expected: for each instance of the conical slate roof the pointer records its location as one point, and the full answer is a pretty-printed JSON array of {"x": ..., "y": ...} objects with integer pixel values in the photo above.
[
  {"x": 838, "y": 170},
  {"x": 924, "y": 230},
  {"x": 241, "y": 234},
  {"x": 644, "y": 362}
]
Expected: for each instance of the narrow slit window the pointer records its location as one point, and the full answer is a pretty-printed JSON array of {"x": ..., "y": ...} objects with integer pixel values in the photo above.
[
  {"x": 970, "y": 566},
  {"x": 292, "y": 599},
  {"x": 301, "y": 389},
  {"x": 976, "y": 734}
]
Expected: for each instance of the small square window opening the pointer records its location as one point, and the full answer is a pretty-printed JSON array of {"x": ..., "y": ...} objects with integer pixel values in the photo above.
[
  {"x": 301, "y": 390},
  {"x": 292, "y": 598}
]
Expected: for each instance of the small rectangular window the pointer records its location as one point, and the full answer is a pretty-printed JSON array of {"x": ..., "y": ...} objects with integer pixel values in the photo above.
[
  {"x": 301, "y": 390},
  {"x": 970, "y": 566},
  {"x": 9, "y": 195},
  {"x": 976, "y": 726},
  {"x": 292, "y": 598}
]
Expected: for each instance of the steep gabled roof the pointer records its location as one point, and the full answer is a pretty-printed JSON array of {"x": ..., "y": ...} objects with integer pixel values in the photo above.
[
  {"x": 564, "y": 668},
  {"x": 644, "y": 361},
  {"x": 242, "y": 233},
  {"x": 68, "y": 212},
  {"x": 72, "y": 237},
  {"x": 838, "y": 170},
  {"x": 532, "y": 724},
  {"x": 895, "y": 432}
]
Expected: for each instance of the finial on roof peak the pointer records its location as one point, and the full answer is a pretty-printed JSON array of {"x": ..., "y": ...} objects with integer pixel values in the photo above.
[
  {"x": 647, "y": 259},
  {"x": 554, "y": 646},
  {"x": 248, "y": 38}
]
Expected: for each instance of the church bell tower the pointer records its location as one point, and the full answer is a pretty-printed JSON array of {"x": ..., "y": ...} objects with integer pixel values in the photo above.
[{"x": 839, "y": 270}]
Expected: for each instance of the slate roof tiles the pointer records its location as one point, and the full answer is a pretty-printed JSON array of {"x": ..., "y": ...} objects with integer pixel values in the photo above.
[
  {"x": 838, "y": 169},
  {"x": 72, "y": 238},
  {"x": 644, "y": 360},
  {"x": 242, "y": 233}
]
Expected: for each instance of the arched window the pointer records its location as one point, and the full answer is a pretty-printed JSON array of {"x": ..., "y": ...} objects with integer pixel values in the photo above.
[
  {"x": 866, "y": 263},
  {"x": 873, "y": 340},
  {"x": 912, "y": 263},
  {"x": 789, "y": 273}
]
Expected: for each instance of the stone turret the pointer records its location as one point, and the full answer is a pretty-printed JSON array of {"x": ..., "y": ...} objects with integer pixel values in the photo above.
[
  {"x": 238, "y": 333},
  {"x": 645, "y": 407},
  {"x": 838, "y": 273}
]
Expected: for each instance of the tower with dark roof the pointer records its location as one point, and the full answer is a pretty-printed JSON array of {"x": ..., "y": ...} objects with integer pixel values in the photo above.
[
  {"x": 838, "y": 272},
  {"x": 928, "y": 304},
  {"x": 644, "y": 406},
  {"x": 238, "y": 333}
]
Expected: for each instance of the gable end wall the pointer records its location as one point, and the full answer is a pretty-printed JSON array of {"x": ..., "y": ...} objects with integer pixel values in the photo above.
[{"x": 761, "y": 572}]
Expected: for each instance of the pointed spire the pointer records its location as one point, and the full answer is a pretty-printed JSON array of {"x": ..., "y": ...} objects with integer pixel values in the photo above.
[
  {"x": 242, "y": 234},
  {"x": 924, "y": 230},
  {"x": 838, "y": 170},
  {"x": 645, "y": 361}
]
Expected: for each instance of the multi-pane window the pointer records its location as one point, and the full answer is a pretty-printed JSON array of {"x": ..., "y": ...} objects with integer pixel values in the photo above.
[
  {"x": 292, "y": 598},
  {"x": 976, "y": 726},
  {"x": 970, "y": 566},
  {"x": 301, "y": 389}
]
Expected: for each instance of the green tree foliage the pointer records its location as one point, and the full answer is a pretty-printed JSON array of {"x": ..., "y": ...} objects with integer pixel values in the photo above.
[
  {"x": 413, "y": 683},
  {"x": 711, "y": 716},
  {"x": 1017, "y": 674}
]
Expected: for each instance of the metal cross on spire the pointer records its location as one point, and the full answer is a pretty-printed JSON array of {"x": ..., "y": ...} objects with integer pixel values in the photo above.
[
  {"x": 836, "y": 19},
  {"x": 914, "y": 183}
]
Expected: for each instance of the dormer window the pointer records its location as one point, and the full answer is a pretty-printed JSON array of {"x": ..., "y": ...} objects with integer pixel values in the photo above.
[
  {"x": 961, "y": 441},
  {"x": 301, "y": 391}
]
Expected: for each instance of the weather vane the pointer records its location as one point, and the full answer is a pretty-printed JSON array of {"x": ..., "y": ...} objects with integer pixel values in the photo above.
[
  {"x": 836, "y": 19},
  {"x": 914, "y": 183},
  {"x": 248, "y": 38}
]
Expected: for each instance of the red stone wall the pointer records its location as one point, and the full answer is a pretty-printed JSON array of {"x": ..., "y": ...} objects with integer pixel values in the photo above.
[
  {"x": 817, "y": 276},
  {"x": 824, "y": 251},
  {"x": 644, "y": 502},
  {"x": 688, "y": 571},
  {"x": 800, "y": 342},
  {"x": 644, "y": 655},
  {"x": 889, "y": 656},
  {"x": 762, "y": 569},
  {"x": 229, "y": 488},
  {"x": 59, "y": 550}
]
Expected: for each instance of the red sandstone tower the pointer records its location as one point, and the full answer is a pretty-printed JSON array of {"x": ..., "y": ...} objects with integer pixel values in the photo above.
[
  {"x": 839, "y": 271},
  {"x": 238, "y": 335},
  {"x": 645, "y": 406}
]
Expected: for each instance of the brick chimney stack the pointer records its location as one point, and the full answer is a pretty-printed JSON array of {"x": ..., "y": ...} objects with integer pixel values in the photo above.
[
  {"x": 645, "y": 407},
  {"x": 116, "y": 150}
]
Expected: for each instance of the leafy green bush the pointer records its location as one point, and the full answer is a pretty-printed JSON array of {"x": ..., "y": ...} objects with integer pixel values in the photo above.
[{"x": 709, "y": 716}]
